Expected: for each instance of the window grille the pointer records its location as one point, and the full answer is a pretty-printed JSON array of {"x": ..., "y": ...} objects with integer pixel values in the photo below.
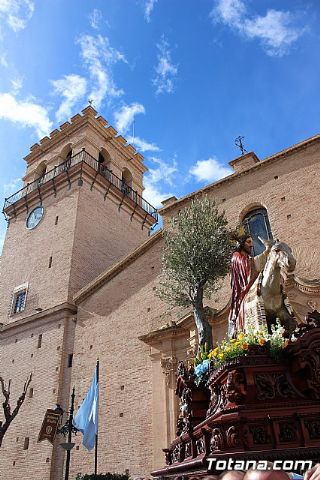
[{"x": 19, "y": 301}]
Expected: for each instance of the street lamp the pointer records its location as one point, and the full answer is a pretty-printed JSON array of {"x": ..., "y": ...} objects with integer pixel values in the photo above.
[{"x": 67, "y": 430}]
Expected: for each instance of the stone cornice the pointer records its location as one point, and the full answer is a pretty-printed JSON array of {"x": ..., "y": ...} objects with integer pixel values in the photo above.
[
  {"x": 108, "y": 275},
  {"x": 278, "y": 156},
  {"x": 53, "y": 314},
  {"x": 178, "y": 328},
  {"x": 167, "y": 332}
]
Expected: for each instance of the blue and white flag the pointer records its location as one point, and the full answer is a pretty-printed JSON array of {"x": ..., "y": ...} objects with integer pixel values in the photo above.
[{"x": 86, "y": 418}]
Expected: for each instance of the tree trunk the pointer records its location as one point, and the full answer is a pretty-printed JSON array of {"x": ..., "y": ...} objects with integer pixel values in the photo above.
[
  {"x": 203, "y": 326},
  {"x": 3, "y": 429}
]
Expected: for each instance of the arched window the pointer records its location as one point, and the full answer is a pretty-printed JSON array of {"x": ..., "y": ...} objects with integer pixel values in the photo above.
[
  {"x": 66, "y": 152},
  {"x": 126, "y": 181},
  {"x": 104, "y": 158},
  {"x": 127, "y": 177},
  {"x": 104, "y": 163},
  {"x": 65, "y": 156},
  {"x": 257, "y": 224},
  {"x": 40, "y": 173}
]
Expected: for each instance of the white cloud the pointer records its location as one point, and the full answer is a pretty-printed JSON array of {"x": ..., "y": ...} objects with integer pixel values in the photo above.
[
  {"x": 95, "y": 18},
  {"x": 17, "y": 84},
  {"x": 148, "y": 7},
  {"x": 154, "y": 195},
  {"x": 72, "y": 88},
  {"x": 229, "y": 12},
  {"x": 16, "y": 13},
  {"x": 156, "y": 178},
  {"x": 166, "y": 71},
  {"x": 12, "y": 186},
  {"x": 3, "y": 60},
  {"x": 99, "y": 57},
  {"x": 209, "y": 170},
  {"x": 275, "y": 30},
  {"x": 143, "y": 145},
  {"x": 125, "y": 116},
  {"x": 27, "y": 113}
]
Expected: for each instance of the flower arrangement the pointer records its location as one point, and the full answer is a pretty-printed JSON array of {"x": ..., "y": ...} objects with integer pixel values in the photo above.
[{"x": 272, "y": 343}]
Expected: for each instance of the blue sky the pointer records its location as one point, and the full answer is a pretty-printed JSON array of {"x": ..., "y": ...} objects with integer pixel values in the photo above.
[{"x": 186, "y": 77}]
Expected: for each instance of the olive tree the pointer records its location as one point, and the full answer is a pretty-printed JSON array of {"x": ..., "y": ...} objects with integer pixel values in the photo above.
[{"x": 195, "y": 260}]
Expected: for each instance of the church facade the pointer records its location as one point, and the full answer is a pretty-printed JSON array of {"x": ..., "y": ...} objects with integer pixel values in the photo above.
[{"x": 78, "y": 278}]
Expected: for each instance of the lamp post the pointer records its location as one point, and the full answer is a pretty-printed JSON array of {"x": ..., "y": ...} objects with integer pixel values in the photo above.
[{"x": 67, "y": 430}]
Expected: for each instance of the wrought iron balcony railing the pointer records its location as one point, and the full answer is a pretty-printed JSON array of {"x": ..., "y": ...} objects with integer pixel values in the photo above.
[{"x": 83, "y": 157}]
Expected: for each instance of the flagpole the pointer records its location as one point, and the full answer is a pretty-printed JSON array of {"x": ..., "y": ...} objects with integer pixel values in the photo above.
[{"x": 96, "y": 442}]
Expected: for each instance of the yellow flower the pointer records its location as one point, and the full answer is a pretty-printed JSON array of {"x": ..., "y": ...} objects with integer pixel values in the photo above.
[
  {"x": 215, "y": 352},
  {"x": 240, "y": 336},
  {"x": 233, "y": 340},
  {"x": 228, "y": 349},
  {"x": 262, "y": 341},
  {"x": 245, "y": 346},
  {"x": 221, "y": 355},
  {"x": 237, "y": 344}
]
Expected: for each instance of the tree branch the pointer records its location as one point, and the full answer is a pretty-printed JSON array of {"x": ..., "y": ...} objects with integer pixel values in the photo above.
[
  {"x": 6, "y": 405},
  {"x": 8, "y": 415}
]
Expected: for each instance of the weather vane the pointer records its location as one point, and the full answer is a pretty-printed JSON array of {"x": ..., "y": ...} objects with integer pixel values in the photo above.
[
  {"x": 90, "y": 101},
  {"x": 238, "y": 142}
]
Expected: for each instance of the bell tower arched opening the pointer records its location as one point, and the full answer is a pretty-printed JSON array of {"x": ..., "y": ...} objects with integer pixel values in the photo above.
[{"x": 126, "y": 181}]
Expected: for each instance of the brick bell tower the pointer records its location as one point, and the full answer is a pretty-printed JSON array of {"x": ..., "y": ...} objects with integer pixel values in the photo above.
[{"x": 80, "y": 210}]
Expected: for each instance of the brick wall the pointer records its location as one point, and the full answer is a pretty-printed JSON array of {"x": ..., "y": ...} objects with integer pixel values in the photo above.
[
  {"x": 20, "y": 356},
  {"x": 108, "y": 327},
  {"x": 27, "y": 253},
  {"x": 103, "y": 234}
]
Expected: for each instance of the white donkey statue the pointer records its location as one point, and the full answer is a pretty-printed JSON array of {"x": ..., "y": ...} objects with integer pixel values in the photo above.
[{"x": 266, "y": 300}]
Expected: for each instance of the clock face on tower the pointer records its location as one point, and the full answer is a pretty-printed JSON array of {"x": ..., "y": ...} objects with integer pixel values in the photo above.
[{"x": 35, "y": 217}]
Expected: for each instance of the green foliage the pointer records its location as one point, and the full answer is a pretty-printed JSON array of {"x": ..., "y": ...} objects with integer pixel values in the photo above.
[
  {"x": 196, "y": 255},
  {"x": 203, "y": 354},
  {"x": 100, "y": 476}
]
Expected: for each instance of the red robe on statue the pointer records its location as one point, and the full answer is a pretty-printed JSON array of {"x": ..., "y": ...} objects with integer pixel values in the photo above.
[{"x": 243, "y": 274}]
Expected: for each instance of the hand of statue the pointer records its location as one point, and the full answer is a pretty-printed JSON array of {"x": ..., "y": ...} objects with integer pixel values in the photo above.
[
  {"x": 267, "y": 243},
  {"x": 268, "y": 248}
]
